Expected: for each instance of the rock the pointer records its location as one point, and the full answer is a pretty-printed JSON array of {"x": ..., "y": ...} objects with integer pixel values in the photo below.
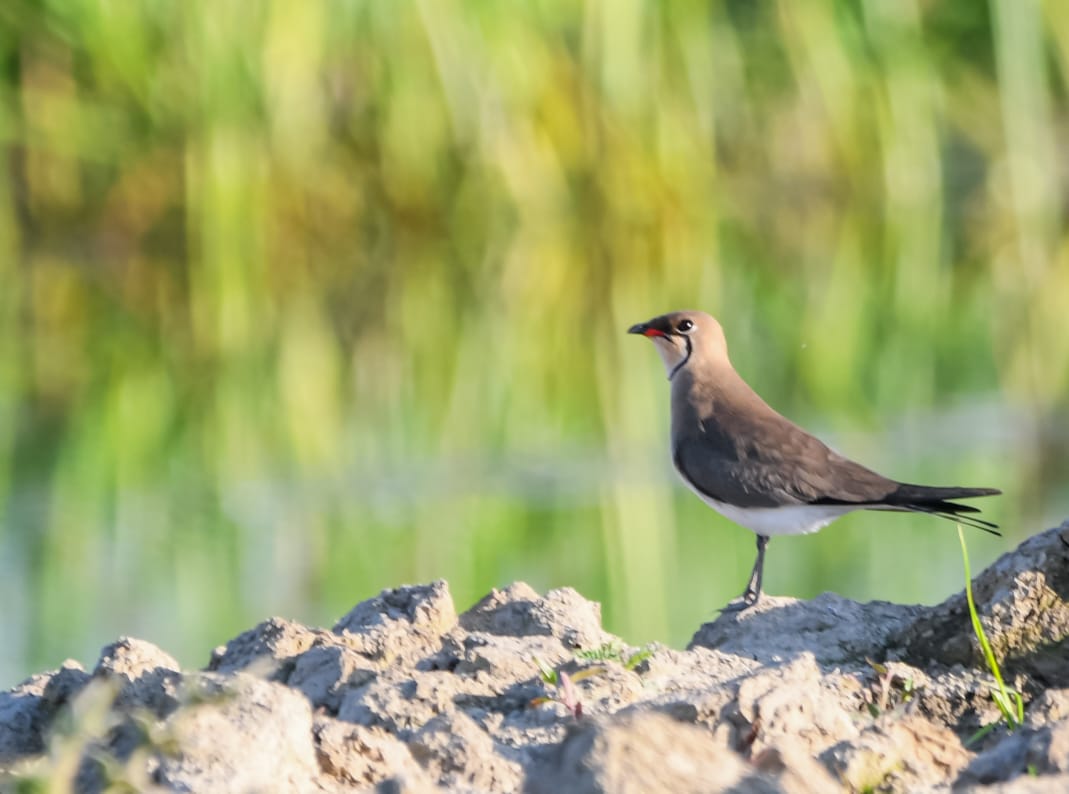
[
  {"x": 1049, "y": 706},
  {"x": 640, "y": 752},
  {"x": 147, "y": 676},
  {"x": 400, "y": 621},
  {"x": 830, "y": 628},
  {"x": 364, "y": 757},
  {"x": 401, "y": 704},
  {"x": 795, "y": 771},
  {"x": 132, "y": 659},
  {"x": 899, "y": 752},
  {"x": 240, "y": 733},
  {"x": 461, "y": 756},
  {"x": 1029, "y": 751},
  {"x": 324, "y": 673},
  {"x": 1026, "y": 784},
  {"x": 268, "y": 650},
  {"x": 1023, "y": 604},
  {"x": 528, "y": 693},
  {"x": 518, "y": 611},
  {"x": 27, "y": 710},
  {"x": 796, "y": 701}
]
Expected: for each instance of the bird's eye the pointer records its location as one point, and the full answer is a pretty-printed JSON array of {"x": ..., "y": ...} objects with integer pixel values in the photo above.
[{"x": 684, "y": 326}]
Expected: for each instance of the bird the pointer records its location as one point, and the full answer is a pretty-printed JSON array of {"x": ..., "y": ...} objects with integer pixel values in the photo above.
[{"x": 756, "y": 467}]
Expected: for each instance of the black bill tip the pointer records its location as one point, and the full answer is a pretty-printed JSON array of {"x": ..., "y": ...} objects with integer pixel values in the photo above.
[{"x": 646, "y": 329}]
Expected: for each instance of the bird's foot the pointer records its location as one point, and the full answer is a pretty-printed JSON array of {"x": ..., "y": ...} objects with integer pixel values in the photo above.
[{"x": 744, "y": 601}]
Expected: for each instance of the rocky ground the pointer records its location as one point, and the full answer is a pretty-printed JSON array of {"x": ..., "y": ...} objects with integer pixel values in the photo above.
[{"x": 404, "y": 695}]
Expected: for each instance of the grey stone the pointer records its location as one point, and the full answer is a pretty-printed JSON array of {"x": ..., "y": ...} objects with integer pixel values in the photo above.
[
  {"x": 518, "y": 611},
  {"x": 147, "y": 676},
  {"x": 898, "y": 751},
  {"x": 27, "y": 710},
  {"x": 268, "y": 650},
  {"x": 459, "y": 756},
  {"x": 644, "y": 752},
  {"x": 240, "y": 733},
  {"x": 1023, "y": 603},
  {"x": 363, "y": 757},
  {"x": 324, "y": 673},
  {"x": 399, "y": 622},
  {"x": 1026, "y": 751},
  {"x": 831, "y": 629}
]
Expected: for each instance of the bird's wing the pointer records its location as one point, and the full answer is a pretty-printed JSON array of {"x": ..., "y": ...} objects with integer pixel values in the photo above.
[{"x": 771, "y": 462}]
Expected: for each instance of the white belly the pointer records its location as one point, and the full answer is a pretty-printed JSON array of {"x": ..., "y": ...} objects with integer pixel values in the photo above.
[{"x": 768, "y": 521}]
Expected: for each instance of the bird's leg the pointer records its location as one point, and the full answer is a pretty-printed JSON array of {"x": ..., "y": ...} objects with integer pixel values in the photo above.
[{"x": 753, "y": 589}]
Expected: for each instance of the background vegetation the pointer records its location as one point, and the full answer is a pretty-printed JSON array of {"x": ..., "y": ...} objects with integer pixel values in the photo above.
[{"x": 300, "y": 299}]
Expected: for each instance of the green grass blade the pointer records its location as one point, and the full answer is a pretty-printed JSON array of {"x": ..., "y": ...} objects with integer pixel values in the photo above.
[{"x": 1004, "y": 696}]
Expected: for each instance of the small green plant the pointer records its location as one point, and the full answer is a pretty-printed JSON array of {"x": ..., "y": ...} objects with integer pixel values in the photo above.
[
  {"x": 1008, "y": 700},
  {"x": 614, "y": 652},
  {"x": 887, "y": 683},
  {"x": 563, "y": 686}
]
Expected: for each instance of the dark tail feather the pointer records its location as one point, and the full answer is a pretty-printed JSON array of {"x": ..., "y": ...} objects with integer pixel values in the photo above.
[
  {"x": 935, "y": 501},
  {"x": 954, "y": 513},
  {"x": 923, "y": 494}
]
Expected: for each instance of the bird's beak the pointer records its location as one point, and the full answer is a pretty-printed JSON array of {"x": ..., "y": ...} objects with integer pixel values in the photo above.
[{"x": 645, "y": 330}]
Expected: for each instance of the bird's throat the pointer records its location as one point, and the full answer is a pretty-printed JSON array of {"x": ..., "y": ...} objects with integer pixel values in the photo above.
[{"x": 684, "y": 360}]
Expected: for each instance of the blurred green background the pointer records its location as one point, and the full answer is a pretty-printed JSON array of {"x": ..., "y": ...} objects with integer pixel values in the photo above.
[{"x": 303, "y": 299}]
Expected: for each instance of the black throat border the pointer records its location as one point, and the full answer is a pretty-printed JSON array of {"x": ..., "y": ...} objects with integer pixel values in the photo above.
[{"x": 686, "y": 358}]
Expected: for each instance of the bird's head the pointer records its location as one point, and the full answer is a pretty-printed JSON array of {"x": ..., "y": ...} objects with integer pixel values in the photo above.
[{"x": 684, "y": 338}]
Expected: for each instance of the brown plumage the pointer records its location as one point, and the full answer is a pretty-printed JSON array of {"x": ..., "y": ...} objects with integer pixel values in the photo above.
[{"x": 757, "y": 467}]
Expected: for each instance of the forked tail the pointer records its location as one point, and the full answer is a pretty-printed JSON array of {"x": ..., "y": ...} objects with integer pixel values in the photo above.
[{"x": 936, "y": 502}]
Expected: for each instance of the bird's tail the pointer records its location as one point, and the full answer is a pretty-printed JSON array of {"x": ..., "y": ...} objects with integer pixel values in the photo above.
[{"x": 936, "y": 502}]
